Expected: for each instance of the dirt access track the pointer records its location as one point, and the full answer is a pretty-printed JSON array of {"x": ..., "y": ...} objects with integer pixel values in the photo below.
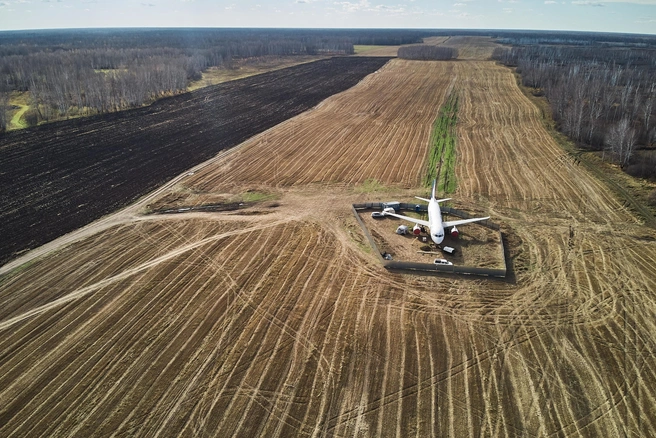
[
  {"x": 58, "y": 177},
  {"x": 276, "y": 321}
]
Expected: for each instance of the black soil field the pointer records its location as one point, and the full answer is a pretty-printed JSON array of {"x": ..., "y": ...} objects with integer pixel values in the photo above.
[{"x": 58, "y": 177}]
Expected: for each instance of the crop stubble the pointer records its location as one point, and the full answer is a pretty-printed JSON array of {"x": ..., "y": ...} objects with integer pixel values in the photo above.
[
  {"x": 378, "y": 129},
  {"x": 277, "y": 324}
]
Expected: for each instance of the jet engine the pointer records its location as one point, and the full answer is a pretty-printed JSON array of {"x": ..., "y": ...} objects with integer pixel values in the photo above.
[
  {"x": 416, "y": 230},
  {"x": 454, "y": 232}
]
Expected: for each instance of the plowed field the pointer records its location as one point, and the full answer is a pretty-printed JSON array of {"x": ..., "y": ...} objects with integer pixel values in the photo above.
[
  {"x": 276, "y": 320},
  {"x": 378, "y": 129},
  {"x": 469, "y": 48},
  {"x": 58, "y": 177}
]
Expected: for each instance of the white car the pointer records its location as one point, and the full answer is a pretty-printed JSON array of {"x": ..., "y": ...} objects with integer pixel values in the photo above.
[
  {"x": 442, "y": 262},
  {"x": 377, "y": 215}
]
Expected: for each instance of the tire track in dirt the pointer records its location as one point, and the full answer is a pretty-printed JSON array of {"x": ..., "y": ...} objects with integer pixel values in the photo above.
[
  {"x": 233, "y": 286},
  {"x": 125, "y": 274},
  {"x": 306, "y": 263}
]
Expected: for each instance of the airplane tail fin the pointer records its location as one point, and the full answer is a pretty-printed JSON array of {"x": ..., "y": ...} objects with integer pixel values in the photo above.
[{"x": 434, "y": 185}]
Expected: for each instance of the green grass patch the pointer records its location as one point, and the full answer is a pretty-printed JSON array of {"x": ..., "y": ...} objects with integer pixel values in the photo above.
[
  {"x": 370, "y": 185},
  {"x": 21, "y": 102},
  {"x": 363, "y": 48},
  {"x": 442, "y": 150},
  {"x": 256, "y": 196},
  {"x": 111, "y": 71}
]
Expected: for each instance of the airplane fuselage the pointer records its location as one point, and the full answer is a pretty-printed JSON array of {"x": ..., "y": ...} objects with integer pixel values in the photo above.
[{"x": 435, "y": 221}]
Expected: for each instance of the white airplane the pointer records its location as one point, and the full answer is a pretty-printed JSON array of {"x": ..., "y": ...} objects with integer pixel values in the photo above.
[{"x": 434, "y": 222}]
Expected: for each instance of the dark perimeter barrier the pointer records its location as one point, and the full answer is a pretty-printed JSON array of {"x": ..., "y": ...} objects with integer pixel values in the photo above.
[{"x": 421, "y": 268}]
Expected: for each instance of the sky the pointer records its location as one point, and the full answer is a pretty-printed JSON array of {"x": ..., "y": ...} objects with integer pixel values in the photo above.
[{"x": 626, "y": 16}]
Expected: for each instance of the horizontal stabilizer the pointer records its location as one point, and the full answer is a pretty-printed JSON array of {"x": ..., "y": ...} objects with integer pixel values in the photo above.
[
  {"x": 442, "y": 200},
  {"x": 423, "y": 199}
]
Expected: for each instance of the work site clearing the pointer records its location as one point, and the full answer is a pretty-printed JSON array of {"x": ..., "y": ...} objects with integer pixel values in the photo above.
[
  {"x": 278, "y": 320},
  {"x": 477, "y": 247}
]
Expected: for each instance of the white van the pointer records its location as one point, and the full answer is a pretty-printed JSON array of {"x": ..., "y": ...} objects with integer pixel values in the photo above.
[{"x": 442, "y": 262}]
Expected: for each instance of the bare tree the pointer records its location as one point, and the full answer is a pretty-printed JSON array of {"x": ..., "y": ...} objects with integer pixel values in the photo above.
[
  {"x": 595, "y": 107},
  {"x": 620, "y": 140},
  {"x": 648, "y": 106},
  {"x": 427, "y": 52},
  {"x": 4, "y": 110}
]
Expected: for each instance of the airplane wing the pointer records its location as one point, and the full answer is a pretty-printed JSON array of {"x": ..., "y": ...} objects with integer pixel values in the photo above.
[
  {"x": 411, "y": 219},
  {"x": 438, "y": 200},
  {"x": 463, "y": 221}
]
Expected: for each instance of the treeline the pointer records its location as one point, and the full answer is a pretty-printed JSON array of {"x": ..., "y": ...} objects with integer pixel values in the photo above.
[
  {"x": 573, "y": 38},
  {"x": 604, "y": 98},
  {"x": 95, "y": 71},
  {"x": 426, "y": 52}
]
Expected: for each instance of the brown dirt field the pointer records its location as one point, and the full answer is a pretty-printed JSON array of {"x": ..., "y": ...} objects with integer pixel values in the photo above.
[
  {"x": 377, "y": 129},
  {"x": 279, "y": 321},
  {"x": 379, "y": 51},
  {"x": 469, "y": 48}
]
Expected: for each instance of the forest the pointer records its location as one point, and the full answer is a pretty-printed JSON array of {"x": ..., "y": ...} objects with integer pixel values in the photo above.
[
  {"x": 84, "y": 72},
  {"x": 426, "y": 52},
  {"x": 602, "y": 96}
]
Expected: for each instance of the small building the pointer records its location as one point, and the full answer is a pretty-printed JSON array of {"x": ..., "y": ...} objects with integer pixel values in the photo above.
[
  {"x": 394, "y": 204},
  {"x": 448, "y": 249}
]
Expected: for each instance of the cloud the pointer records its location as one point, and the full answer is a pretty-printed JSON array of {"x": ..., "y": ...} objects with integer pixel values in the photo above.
[
  {"x": 362, "y": 5},
  {"x": 3, "y": 4},
  {"x": 399, "y": 9},
  {"x": 635, "y": 2},
  {"x": 366, "y": 6},
  {"x": 455, "y": 5},
  {"x": 587, "y": 3},
  {"x": 550, "y": 2}
]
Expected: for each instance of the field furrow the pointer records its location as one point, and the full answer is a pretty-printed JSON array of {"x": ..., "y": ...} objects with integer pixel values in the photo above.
[{"x": 378, "y": 129}]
